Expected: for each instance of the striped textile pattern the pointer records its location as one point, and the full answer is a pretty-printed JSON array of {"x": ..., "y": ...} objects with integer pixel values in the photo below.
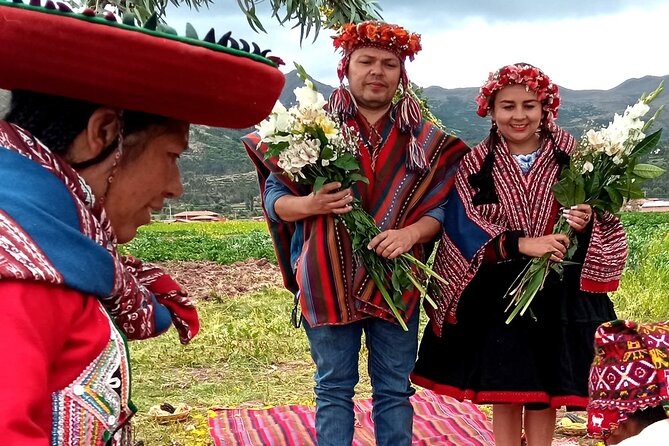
[
  {"x": 438, "y": 420},
  {"x": 334, "y": 288}
]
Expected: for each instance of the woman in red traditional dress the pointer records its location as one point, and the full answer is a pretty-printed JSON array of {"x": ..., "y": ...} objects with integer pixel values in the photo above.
[
  {"x": 499, "y": 216},
  {"x": 88, "y": 150}
]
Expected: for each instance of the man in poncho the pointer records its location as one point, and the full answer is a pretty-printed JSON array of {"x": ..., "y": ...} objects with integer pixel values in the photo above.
[{"x": 410, "y": 164}]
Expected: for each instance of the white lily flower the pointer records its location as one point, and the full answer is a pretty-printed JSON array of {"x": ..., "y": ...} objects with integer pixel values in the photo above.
[
  {"x": 277, "y": 121},
  {"x": 595, "y": 139},
  {"x": 587, "y": 167},
  {"x": 638, "y": 110},
  {"x": 309, "y": 98}
]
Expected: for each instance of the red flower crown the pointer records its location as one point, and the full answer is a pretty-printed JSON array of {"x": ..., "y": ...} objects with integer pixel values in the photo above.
[
  {"x": 393, "y": 38},
  {"x": 521, "y": 74}
]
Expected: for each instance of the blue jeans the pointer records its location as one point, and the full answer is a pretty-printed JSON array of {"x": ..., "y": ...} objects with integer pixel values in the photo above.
[{"x": 392, "y": 354}]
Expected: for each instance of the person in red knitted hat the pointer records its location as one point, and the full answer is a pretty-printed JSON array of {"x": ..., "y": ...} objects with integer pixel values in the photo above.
[
  {"x": 502, "y": 213},
  {"x": 410, "y": 164},
  {"x": 629, "y": 384},
  {"x": 99, "y": 115}
]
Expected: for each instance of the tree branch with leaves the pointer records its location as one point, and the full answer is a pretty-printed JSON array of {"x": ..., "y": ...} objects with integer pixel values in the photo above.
[
  {"x": 309, "y": 15},
  {"x": 141, "y": 9},
  {"x": 313, "y": 14}
]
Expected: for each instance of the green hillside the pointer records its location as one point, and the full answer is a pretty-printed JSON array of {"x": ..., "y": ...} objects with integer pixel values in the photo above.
[{"x": 219, "y": 176}]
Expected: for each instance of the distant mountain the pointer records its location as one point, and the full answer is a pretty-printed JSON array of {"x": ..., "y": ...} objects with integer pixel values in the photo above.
[
  {"x": 213, "y": 166},
  {"x": 218, "y": 175},
  {"x": 293, "y": 81},
  {"x": 580, "y": 109}
]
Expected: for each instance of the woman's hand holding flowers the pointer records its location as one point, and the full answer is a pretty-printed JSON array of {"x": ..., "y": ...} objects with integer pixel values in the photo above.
[
  {"x": 556, "y": 244},
  {"x": 578, "y": 217}
]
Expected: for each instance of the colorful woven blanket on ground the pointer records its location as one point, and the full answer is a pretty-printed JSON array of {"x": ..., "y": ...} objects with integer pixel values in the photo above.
[{"x": 438, "y": 420}]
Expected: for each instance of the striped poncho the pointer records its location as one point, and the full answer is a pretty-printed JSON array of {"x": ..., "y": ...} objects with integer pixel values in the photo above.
[
  {"x": 333, "y": 287},
  {"x": 523, "y": 203}
]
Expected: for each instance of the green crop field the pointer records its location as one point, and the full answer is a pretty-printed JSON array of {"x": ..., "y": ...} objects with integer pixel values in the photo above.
[
  {"x": 644, "y": 291},
  {"x": 247, "y": 353},
  {"x": 221, "y": 242}
]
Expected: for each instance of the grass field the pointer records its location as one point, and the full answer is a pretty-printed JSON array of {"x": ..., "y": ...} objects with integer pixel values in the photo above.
[{"x": 247, "y": 353}]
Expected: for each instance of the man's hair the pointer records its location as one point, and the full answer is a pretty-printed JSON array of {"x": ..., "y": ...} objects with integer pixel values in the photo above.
[{"x": 56, "y": 120}]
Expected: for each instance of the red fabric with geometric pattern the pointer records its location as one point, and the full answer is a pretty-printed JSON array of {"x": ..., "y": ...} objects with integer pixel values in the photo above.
[{"x": 630, "y": 372}]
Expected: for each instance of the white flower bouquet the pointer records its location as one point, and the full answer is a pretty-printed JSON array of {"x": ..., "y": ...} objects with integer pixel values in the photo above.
[
  {"x": 603, "y": 172},
  {"x": 315, "y": 148}
]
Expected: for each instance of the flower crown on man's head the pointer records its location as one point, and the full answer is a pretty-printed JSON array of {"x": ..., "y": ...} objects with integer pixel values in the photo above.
[
  {"x": 403, "y": 44},
  {"x": 520, "y": 74},
  {"x": 383, "y": 35}
]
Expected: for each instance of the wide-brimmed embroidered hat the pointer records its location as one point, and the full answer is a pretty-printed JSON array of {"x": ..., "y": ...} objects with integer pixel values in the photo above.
[
  {"x": 106, "y": 61},
  {"x": 630, "y": 373}
]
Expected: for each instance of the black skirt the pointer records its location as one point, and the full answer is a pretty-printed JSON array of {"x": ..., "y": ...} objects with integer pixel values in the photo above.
[{"x": 541, "y": 361}]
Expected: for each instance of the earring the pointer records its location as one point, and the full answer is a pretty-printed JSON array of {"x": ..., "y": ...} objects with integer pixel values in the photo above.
[{"x": 117, "y": 158}]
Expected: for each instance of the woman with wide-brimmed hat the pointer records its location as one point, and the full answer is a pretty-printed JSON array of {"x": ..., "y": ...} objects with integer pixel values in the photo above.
[{"x": 99, "y": 116}]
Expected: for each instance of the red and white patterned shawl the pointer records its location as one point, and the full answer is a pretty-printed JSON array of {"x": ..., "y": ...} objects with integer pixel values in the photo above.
[
  {"x": 526, "y": 203},
  {"x": 130, "y": 302}
]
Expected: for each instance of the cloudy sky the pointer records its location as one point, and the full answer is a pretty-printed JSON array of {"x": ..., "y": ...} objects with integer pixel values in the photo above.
[{"x": 581, "y": 44}]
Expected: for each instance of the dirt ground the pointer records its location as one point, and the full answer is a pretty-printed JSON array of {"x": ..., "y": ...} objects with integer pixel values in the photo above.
[{"x": 204, "y": 280}]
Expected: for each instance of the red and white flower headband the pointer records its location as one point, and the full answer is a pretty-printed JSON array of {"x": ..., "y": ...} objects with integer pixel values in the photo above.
[
  {"x": 521, "y": 74},
  {"x": 403, "y": 44}
]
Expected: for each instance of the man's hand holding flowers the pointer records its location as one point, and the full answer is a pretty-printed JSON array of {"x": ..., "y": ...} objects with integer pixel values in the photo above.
[
  {"x": 328, "y": 199},
  {"x": 392, "y": 243}
]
